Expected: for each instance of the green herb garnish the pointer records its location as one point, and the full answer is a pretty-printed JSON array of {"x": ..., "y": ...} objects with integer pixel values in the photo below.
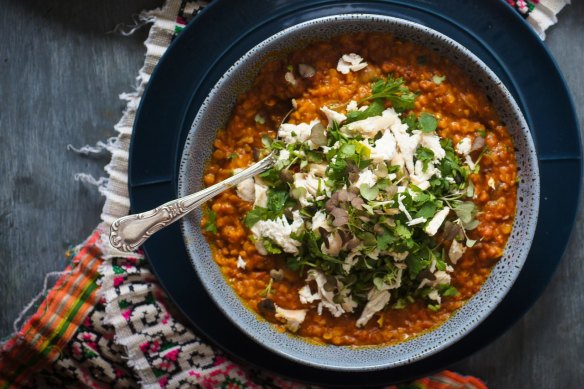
[
  {"x": 427, "y": 122},
  {"x": 425, "y": 155},
  {"x": 210, "y": 225},
  {"x": 438, "y": 79},
  {"x": 268, "y": 289},
  {"x": 374, "y": 109},
  {"x": 393, "y": 90}
]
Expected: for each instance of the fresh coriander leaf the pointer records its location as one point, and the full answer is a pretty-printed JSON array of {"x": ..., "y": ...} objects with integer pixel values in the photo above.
[
  {"x": 276, "y": 200},
  {"x": 428, "y": 210},
  {"x": 337, "y": 171},
  {"x": 411, "y": 121},
  {"x": 271, "y": 247},
  {"x": 363, "y": 163},
  {"x": 369, "y": 193},
  {"x": 439, "y": 184},
  {"x": 416, "y": 264},
  {"x": 438, "y": 79},
  {"x": 255, "y": 215},
  {"x": 465, "y": 211},
  {"x": 427, "y": 122},
  {"x": 450, "y": 164},
  {"x": 421, "y": 197},
  {"x": 347, "y": 150},
  {"x": 232, "y": 156},
  {"x": 210, "y": 225},
  {"x": 482, "y": 132},
  {"x": 374, "y": 109},
  {"x": 440, "y": 264},
  {"x": 270, "y": 175},
  {"x": 385, "y": 240},
  {"x": 471, "y": 225},
  {"x": 271, "y": 144},
  {"x": 277, "y": 145},
  {"x": 425, "y": 155},
  {"x": 363, "y": 151},
  {"x": 394, "y": 90},
  {"x": 434, "y": 307},
  {"x": 403, "y": 232},
  {"x": 383, "y": 184},
  {"x": 450, "y": 291},
  {"x": 335, "y": 135},
  {"x": 312, "y": 243}
]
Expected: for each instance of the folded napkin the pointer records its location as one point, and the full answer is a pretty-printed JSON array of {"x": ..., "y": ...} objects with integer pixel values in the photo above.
[
  {"x": 107, "y": 323},
  {"x": 540, "y": 14}
]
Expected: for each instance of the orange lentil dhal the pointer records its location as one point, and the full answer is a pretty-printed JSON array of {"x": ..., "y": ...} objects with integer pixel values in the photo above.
[{"x": 462, "y": 111}]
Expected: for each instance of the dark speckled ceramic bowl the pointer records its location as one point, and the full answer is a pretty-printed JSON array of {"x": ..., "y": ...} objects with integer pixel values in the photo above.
[{"x": 213, "y": 115}]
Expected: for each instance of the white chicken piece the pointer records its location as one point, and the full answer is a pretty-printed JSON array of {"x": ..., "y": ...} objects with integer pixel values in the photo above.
[
  {"x": 333, "y": 116},
  {"x": 369, "y": 127},
  {"x": 456, "y": 251},
  {"x": 292, "y": 317},
  {"x": 278, "y": 231},
  {"x": 378, "y": 299},
  {"x": 350, "y": 63},
  {"x": 246, "y": 190},
  {"x": 434, "y": 224}
]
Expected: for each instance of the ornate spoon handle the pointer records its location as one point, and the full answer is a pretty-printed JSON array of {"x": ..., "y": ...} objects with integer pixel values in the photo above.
[{"x": 129, "y": 232}]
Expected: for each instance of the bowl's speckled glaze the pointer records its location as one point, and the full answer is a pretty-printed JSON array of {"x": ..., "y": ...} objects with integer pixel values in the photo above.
[{"x": 213, "y": 115}]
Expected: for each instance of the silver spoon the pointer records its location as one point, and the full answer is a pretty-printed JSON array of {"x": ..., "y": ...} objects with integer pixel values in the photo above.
[{"x": 129, "y": 232}]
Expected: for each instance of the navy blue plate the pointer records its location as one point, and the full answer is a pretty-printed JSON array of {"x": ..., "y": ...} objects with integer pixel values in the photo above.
[{"x": 224, "y": 31}]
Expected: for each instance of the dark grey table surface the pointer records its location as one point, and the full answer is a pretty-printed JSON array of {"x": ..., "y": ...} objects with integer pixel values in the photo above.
[{"x": 61, "y": 71}]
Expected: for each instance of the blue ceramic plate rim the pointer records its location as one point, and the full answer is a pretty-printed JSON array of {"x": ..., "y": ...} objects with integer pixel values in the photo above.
[{"x": 197, "y": 150}]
